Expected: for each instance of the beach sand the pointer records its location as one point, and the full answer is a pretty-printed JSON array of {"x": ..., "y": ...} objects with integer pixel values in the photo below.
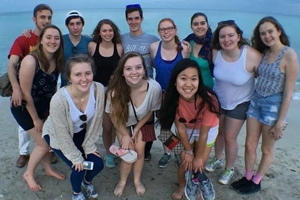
[{"x": 282, "y": 182}]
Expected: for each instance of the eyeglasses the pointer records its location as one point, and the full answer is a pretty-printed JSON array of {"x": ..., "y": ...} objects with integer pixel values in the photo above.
[
  {"x": 169, "y": 29},
  {"x": 230, "y": 22},
  {"x": 133, "y": 6},
  {"x": 74, "y": 50},
  {"x": 83, "y": 117}
]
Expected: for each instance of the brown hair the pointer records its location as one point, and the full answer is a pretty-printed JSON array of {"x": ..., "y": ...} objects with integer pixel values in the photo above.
[{"x": 97, "y": 38}]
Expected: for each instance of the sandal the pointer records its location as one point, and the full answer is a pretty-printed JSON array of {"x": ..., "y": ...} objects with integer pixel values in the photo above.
[{"x": 129, "y": 156}]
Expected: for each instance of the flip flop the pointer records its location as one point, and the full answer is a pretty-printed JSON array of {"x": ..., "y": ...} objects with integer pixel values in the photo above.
[{"x": 129, "y": 156}]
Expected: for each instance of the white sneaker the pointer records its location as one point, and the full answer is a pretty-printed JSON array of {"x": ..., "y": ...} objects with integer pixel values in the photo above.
[
  {"x": 213, "y": 164},
  {"x": 226, "y": 176}
]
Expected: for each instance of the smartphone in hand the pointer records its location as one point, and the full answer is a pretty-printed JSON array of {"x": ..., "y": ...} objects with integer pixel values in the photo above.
[{"x": 88, "y": 165}]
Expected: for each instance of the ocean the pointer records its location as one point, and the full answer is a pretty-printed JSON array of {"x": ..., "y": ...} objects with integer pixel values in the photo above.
[{"x": 12, "y": 24}]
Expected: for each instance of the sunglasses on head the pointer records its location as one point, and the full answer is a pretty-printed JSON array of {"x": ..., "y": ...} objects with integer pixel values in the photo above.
[
  {"x": 230, "y": 22},
  {"x": 133, "y": 6},
  {"x": 83, "y": 117}
]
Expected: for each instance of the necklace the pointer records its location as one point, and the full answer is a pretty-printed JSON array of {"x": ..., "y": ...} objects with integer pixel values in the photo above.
[{"x": 80, "y": 99}]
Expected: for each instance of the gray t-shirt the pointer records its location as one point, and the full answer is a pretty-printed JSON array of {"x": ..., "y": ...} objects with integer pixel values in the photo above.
[{"x": 140, "y": 44}]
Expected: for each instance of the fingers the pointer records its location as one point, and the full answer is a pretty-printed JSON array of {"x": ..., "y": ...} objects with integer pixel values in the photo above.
[{"x": 271, "y": 134}]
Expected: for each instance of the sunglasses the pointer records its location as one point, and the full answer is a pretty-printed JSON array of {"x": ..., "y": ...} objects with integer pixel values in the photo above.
[
  {"x": 133, "y": 6},
  {"x": 74, "y": 50},
  {"x": 229, "y": 22},
  {"x": 83, "y": 118},
  {"x": 182, "y": 120}
]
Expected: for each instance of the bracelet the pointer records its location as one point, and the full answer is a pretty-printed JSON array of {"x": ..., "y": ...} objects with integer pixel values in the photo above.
[{"x": 189, "y": 152}]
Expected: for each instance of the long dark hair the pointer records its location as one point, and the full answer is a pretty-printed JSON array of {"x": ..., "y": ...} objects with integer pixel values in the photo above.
[
  {"x": 215, "y": 40},
  {"x": 97, "y": 38},
  {"x": 170, "y": 102},
  {"x": 256, "y": 41}
]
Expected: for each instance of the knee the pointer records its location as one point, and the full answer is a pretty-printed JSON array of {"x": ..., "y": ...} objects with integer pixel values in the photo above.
[
  {"x": 266, "y": 151},
  {"x": 99, "y": 165},
  {"x": 250, "y": 147}
]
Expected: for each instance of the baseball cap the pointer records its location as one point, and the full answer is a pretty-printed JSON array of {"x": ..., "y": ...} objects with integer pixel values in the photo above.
[{"x": 73, "y": 14}]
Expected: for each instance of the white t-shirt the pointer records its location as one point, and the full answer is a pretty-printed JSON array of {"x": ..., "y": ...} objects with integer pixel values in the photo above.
[{"x": 151, "y": 102}]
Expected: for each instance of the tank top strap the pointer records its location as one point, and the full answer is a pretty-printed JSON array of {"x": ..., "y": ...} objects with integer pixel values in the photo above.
[
  {"x": 115, "y": 49},
  {"x": 158, "y": 53},
  {"x": 281, "y": 54},
  {"x": 97, "y": 49}
]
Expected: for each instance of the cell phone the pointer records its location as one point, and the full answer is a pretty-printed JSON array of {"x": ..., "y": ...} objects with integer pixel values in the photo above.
[{"x": 88, "y": 165}]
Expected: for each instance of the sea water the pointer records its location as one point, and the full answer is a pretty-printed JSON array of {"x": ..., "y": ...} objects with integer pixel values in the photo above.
[{"x": 12, "y": 25}]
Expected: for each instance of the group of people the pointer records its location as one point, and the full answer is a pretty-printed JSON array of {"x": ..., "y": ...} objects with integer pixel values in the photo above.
[{"x": 204, "y": 86}]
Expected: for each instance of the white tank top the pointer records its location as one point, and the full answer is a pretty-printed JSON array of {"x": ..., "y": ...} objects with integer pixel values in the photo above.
[
  {"x": 76, "y": 113},
  {"x": 233, "y": 83}
]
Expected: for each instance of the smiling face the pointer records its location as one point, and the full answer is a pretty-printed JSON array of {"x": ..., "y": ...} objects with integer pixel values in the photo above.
[
  {"x": 228, "y": 38},
  {"x": 167, "y": 30},
  {"x": 81, "y": 76},
  {"x": 199, "y": 26},
  {"x": 134, "y": 21},
  {"x": 269, "y": 35},
  {"x": 106, "y": 32},
  {"x": 51, "y": 40},
  {"x": 133, "y": 71},
  {"x": 187, "y": 83},
  {"x": 42, "y": 19}
]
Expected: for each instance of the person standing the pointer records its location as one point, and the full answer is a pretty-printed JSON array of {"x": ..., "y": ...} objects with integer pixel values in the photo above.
[
  {"x": 106, "y": 50},
  {"x": 23, "y": 45},
  {"x": 38, "y": 81},
  {"x": 139, "y": 41},
  {"x": 277, "y": 75},
  {"x": 74, "y": 42},
  {"x": 235, "y": 64}
]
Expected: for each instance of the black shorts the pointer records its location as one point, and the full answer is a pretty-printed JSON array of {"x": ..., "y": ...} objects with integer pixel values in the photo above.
[{"x": 239, "y": 112}]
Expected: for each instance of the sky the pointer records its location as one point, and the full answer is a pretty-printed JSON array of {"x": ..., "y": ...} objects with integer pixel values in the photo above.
[{"x": 289, "y": 7}]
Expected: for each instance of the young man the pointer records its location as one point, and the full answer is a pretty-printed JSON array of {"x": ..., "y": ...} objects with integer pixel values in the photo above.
[
  {"x": 23, "y": 45},
  {"x": 74, "y": 42},
  {"x": 139, "y": 41}
]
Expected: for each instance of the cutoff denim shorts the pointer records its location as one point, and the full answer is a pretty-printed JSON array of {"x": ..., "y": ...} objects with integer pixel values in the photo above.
[{"x": 265, "y": 109}]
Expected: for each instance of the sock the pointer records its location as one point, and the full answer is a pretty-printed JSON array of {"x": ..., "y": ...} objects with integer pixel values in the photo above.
[
  {"x": 257, "y": 178},
  {"x": 249, "y": 174}
]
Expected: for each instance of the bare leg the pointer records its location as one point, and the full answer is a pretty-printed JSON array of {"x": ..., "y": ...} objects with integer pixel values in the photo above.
[
  {"x": 231, "y": 129},
  {"x": 252, "y": 139},
  {"x": 220, "y": 143},
  {"x": 109, "y": 134},
  {"x": 177, "y": 195},
  {"x": 139, "y": 164}
]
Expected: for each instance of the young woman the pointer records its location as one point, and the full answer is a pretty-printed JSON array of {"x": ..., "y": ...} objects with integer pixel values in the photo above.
[
  {"x": 165, "y": 54},
  {"x": 194, "y": 109},
  {"x": 200, "y": 41},
  {"x": 234, "y": 66},
  {"x": 38, "y": 80},
  {"x": 106, "y": 50},
  {"x": 73, "y": 126},
  {"x": 277, "y": 74},
  {"x": 131, "y": 100}
]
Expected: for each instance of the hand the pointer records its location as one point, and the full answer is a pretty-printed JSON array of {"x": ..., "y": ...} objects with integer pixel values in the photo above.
[
  {"x": 96, "y": 153},
  {"x": 26, "y": 33},
  {"x": 188, "y": 46},
  {"x": 198, "y": 165},
  {"x": 125, "y": 142},
  {"x": 78, "y": 167},
  {"x": 188, "y": 161},
  {"x": 38, "y": 124},
  {"x": 276, "y": 132},
  {"x": 134, "y": 135},
  {"x": 16, "y": 98}
]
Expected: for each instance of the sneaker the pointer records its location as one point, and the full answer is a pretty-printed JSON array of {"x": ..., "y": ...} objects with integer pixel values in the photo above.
[
  {"x": 191, "y": 186},
  {"x": 90, "y": 190},
  {"x": 213, "y": 164},
  {"x": 206, "y": 187},
  {"x": 226, "y": 176},
  {"x": 177, "y": 159},
  {"x": 249, "y": 188},
  {"x": 163, "y": 162},
  {"x": 147, "y": 156},
  {"x": 110, "y": 161},
  {"x": 79, "y": 196},
  {"x": 237, "y": 184}
]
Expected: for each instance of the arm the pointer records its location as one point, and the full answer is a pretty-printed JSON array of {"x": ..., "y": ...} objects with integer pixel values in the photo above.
[
  {"x": 27, "y": 73},
  {"x": 186, "y": 51},
  {"x": 253, "y": 59},
  {"x": 291, "y": 68},
  {"x": 141, "y": 123},
  {"x": 153, "y": 49},
  {"x": 16, "y": 98},
  {"x": 188, "y": 157},
  {"x": 91, "y": 48},
  {"x": 120, "y": 49},
  {"x": 201, "y": 146}
]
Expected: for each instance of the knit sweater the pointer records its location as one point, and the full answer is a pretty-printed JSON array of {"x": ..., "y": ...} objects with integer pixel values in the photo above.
[{"x": 59, "y": 126}]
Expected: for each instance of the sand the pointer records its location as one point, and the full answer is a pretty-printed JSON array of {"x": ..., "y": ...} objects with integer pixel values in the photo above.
[{"x": 282, "y": 182}]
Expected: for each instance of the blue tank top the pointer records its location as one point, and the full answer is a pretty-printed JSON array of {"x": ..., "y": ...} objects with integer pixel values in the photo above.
[
  {"x": 164, "y": 68},
  {"x": 270, "y": 79}
]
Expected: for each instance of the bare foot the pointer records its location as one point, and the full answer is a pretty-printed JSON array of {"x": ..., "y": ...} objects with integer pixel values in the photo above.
[
  {"x": 119, "y": 189},
  {"x": 177, "y": 195},
  {"x": 32, "y": 184},
  {"x": 139, "y": 188},
  {"x": 56, "y": 174}
]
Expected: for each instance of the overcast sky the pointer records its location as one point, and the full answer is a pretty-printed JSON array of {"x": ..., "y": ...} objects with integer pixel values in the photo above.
[{"x": 290, "y": 7}]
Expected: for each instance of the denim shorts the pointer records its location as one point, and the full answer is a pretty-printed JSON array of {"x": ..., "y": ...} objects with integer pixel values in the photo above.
[
  {"x": 239, "y": 112},
  {"x": 265, "y": 109}
]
